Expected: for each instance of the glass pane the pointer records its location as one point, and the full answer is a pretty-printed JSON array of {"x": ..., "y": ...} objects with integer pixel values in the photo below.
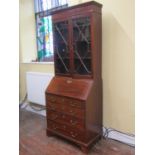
[
  {"x": 82, "y": 45},
  {"x": 61, "y": 47},
  {"x": 43, "y": 5},
  {"x": 44, "y": 38}
]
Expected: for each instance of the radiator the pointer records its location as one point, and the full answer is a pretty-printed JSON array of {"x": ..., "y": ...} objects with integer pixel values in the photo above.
[{"x": 36, "y": 84}]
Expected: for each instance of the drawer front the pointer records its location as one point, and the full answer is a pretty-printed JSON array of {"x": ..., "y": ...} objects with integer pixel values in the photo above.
[
  {"x": 76, "y": 112},
  {"x": 64, "y": 130},
  {"x": 65, "y": 101},
  {"x": 65, "y": 119}
]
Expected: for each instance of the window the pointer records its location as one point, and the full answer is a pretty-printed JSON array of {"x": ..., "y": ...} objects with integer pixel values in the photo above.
[{"x": 44, "y": 32}]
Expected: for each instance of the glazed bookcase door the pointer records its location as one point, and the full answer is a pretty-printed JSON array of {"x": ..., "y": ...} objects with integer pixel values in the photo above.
[
  {"x": 82, "y": 46},
  {"x": 61, "y": 47}
]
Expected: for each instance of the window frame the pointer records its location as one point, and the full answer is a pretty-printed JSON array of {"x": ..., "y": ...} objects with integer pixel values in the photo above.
[{"x": 45, "y": 12}]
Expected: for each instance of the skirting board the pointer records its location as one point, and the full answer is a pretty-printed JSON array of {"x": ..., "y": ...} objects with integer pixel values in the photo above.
[
  {"x": 113, "y": 134},
  {"x": 119, "y": 136}
]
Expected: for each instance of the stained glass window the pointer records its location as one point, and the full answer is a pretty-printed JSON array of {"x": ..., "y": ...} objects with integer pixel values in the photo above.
[
  {"x": 44, "y": 38},
  {"x": 44, "y": 28}
]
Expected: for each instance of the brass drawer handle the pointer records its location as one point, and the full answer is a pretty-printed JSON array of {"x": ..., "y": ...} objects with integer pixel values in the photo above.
[
  {"x": 54, "y": 127},
  {"x": 69, "y": 81},
  {"x": 73, "y": 122},
  {"x": 72, "y": 104},
  {"x": 72, "y": 112},
  {"x": 73, "y": 134},
  {"x": 53, "y": 99},
  {"x": 64, "y": 127},
  {"x": 63, "y": 116}
]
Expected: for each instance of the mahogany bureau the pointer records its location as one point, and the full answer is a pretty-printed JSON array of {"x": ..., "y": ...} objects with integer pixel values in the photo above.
[{"x": 74, "y": 95}]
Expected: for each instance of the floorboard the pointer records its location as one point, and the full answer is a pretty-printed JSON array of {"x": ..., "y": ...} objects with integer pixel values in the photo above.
[{"x": 33, "y": 140}]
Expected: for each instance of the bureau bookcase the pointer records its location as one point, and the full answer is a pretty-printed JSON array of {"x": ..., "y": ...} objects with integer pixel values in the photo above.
[{"x": 74, "y": 95}]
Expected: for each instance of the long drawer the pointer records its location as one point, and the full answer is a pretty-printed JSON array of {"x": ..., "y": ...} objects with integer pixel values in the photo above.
[
  {"x": 66, "y": 108},
  {"x": 65, "y": 119},
  {"x": 73, "y": 103},
  {"x": 65, "y": 130}
]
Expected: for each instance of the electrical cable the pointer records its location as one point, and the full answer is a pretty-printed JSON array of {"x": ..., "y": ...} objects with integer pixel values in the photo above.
[
  {"x": 107, "y": 131},
  {"x": 24, "y": 106},
  {"x": 22, "y": 102},
  {"x": 37, "y": 109},
  {"x": 29, "y": 104}
]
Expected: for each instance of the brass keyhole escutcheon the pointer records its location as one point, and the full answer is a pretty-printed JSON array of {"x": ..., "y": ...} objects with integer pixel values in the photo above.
[{"x": 69, "y": 81}]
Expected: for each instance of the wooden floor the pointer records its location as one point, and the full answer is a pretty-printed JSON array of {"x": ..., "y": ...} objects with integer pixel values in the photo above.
[{"x": 33, "y": 140}]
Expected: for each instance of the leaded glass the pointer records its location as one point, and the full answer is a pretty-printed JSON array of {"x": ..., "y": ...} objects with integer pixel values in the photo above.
[{"x": 82, "y": 45}]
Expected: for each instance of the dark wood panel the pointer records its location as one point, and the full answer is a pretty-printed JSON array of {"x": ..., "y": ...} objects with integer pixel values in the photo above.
[
  {"x": 80, "y": 9},
  {"x": 75, "y": 88},
  {"x": 65, "y": 101},
  {"x": 66, "y": 119},
  {"x": 63, "y": 108},
  {"x": 82, "y": 137},
  {"x": 64, "y": 129},
  {"x": 74, "y": 104}
]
